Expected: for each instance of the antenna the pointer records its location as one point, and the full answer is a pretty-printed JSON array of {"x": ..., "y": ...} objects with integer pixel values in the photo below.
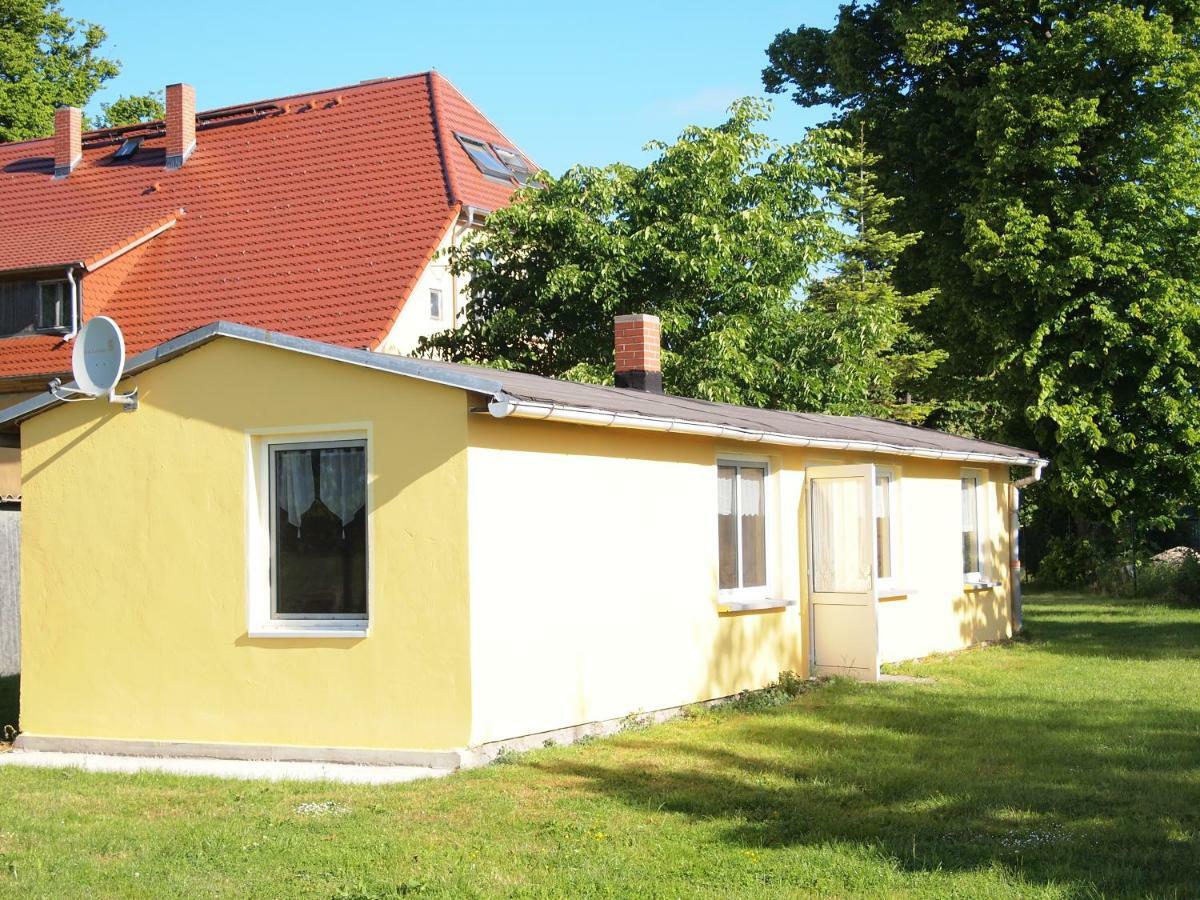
[{"x": 97, "y": 363}]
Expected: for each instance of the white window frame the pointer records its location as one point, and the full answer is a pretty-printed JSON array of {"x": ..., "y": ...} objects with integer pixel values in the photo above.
[
  {"x": 979, "y": 577},
  {"x": 441, "y": 304},
  {"x": 884, "y": 585},
  {"x": 262, "y": 621},
  {"x": 758, "y": 592},
  {"x": 64, "y": 301}
]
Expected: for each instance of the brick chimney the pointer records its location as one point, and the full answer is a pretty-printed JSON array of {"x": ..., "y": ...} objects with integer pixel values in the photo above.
[
  {"x": 68, "y": 140},
  {"x": 637, "y": 340},
  {"x": 181, "y": 124}
]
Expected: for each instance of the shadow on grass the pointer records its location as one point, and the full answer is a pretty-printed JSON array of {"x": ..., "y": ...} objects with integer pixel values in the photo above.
[
  {"x": 1085, "y": 789},
  {"x": 1082, "y": 625},
  {"x": 10, "y": 705}
]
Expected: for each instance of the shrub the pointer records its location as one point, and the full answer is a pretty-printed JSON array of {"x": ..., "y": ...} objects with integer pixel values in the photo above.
[
  {"x": 1070, "y": 562},
  {"x": 1177, "y": 581}
]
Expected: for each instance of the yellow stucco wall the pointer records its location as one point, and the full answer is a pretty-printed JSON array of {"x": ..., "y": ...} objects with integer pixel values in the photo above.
[
  {"x": 594, "y": 572},
  {"x": 938, "y": 614},
  {"x": 134, "y": 564}
]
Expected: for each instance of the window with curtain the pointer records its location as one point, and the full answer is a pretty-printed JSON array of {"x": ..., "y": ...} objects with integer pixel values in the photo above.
[
  {"x": 318, "y": 523},
  {"x": 972, "y": 564},
  {"x": 841, "y": 536},
  {"x": 883, "y": 524},
  {"x": 742, "y": 525}
]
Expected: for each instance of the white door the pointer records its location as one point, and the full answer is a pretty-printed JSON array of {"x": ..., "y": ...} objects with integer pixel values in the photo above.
[{"x": 841, "y": 562}]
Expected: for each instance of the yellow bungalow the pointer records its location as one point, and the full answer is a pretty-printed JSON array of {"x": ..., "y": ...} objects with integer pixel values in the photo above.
[{"x": 298, "y": 551}]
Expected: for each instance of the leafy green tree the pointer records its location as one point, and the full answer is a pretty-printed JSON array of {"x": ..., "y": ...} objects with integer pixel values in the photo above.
[
  {"x": 718, "y": 235},
  {"x": 131, "y": 110},
  {"x": 1049, "y": 153},
  {"x": 862, "y": 355},
  {"x": 48, "y": 60}
]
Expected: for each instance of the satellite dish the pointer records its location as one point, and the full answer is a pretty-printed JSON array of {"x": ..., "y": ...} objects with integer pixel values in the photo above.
[
  {"x": 97, "y": 362},
  {"x": 99, "y": 357}
]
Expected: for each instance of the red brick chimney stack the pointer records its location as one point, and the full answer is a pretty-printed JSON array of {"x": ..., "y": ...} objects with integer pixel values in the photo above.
[
  {"x": 68, "y": 140},
  {"x": 181, "y": 124},
  {"x": 637, "y": 344}
]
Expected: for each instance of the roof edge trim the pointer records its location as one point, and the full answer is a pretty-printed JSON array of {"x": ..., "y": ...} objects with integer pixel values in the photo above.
[
  {"x": 91, "y": 265},
  {"x": 198, "y": 337},
  {"x": 504, "y": 405}
]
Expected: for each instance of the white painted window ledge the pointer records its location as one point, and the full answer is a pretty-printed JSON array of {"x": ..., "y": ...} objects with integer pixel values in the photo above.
[
  {"x": 323, "y": 631},
  {"x": 753, "y": 605},
  {"x": 980, "y": 585}
]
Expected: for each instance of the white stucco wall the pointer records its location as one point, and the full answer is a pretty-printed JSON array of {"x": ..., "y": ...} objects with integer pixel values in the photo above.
[{"x": 414, "y": 321}]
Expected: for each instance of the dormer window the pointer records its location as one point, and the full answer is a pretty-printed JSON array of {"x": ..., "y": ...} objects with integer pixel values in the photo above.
[{"x": 54, "y": 307}]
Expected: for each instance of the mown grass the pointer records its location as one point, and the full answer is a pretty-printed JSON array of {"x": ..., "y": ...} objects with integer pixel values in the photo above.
[{"x": 1065, "y": 765}]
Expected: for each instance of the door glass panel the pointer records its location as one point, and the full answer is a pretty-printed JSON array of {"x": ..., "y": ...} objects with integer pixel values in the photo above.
[
  {"x": 753, "y": 507},
  {"x": 727, "y": 526},
  {"x": 841, "y": 545}
]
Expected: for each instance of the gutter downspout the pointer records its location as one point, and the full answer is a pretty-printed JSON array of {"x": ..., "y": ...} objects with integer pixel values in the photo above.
[
  {"x": 76, "y": 311},
  {"x": 1014, "y": 506}
]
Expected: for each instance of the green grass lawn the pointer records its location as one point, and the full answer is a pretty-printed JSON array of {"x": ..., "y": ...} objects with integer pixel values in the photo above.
[{"x": 1066, "y": 765}]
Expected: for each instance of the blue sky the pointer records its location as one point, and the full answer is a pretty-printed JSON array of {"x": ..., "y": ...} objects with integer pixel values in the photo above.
[{"x": 570, "y": 82}]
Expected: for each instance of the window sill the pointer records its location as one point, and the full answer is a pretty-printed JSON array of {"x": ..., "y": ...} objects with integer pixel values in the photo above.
[
  {"x": 895, "y": 593},
  {"x": 765, "y": 605},
  {"x": 315, "y": 631},
  {"x": 981, "y": 585}
]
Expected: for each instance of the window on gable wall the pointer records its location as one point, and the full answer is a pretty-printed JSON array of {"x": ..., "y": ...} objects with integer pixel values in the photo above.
[
  {"x": 435, "y": 304},
  {"x": 742, "y": 525},
  {"x": 318, "y": 530}
]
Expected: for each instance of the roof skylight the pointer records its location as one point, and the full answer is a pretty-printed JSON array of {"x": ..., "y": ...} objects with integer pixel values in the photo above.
[
  {"x": 128, "y": 148},
  {"x": 483, "y": 157},
  {"x": 515, "y": 163}
]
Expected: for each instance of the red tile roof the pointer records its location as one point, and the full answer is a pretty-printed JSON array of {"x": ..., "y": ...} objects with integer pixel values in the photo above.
[{"x": 313, "y": 215}]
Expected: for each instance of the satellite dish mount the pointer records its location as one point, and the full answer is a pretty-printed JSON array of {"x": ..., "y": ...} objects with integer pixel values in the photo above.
[{"x": 97, "y": 363}]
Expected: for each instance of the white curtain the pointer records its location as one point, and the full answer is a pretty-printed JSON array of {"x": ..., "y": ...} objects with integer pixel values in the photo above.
[
  {"x": 841, "y": 552},
  {"x": 725, "y": 480},
  {"x": 296, "y": 492},
  {"x": 343, "y": 482},
  {"x": 752, "y": 492}
]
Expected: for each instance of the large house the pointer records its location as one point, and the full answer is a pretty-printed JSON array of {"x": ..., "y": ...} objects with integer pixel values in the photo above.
[{"x": 322, "y": 215}]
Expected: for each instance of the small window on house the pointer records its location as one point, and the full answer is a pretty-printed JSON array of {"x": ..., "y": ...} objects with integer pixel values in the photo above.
[
  {"x": 483, "y": 157},
  {"x": 515, "y": 163},
  {"x": 318, "y": 530},
  {"x": 435, "y": 304},
  {"x": 742, "y": 525},
  {"x": 883, "y": 524},
  {"x": 972, "y": 539},
  {"x": 54, "y": 306}
]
